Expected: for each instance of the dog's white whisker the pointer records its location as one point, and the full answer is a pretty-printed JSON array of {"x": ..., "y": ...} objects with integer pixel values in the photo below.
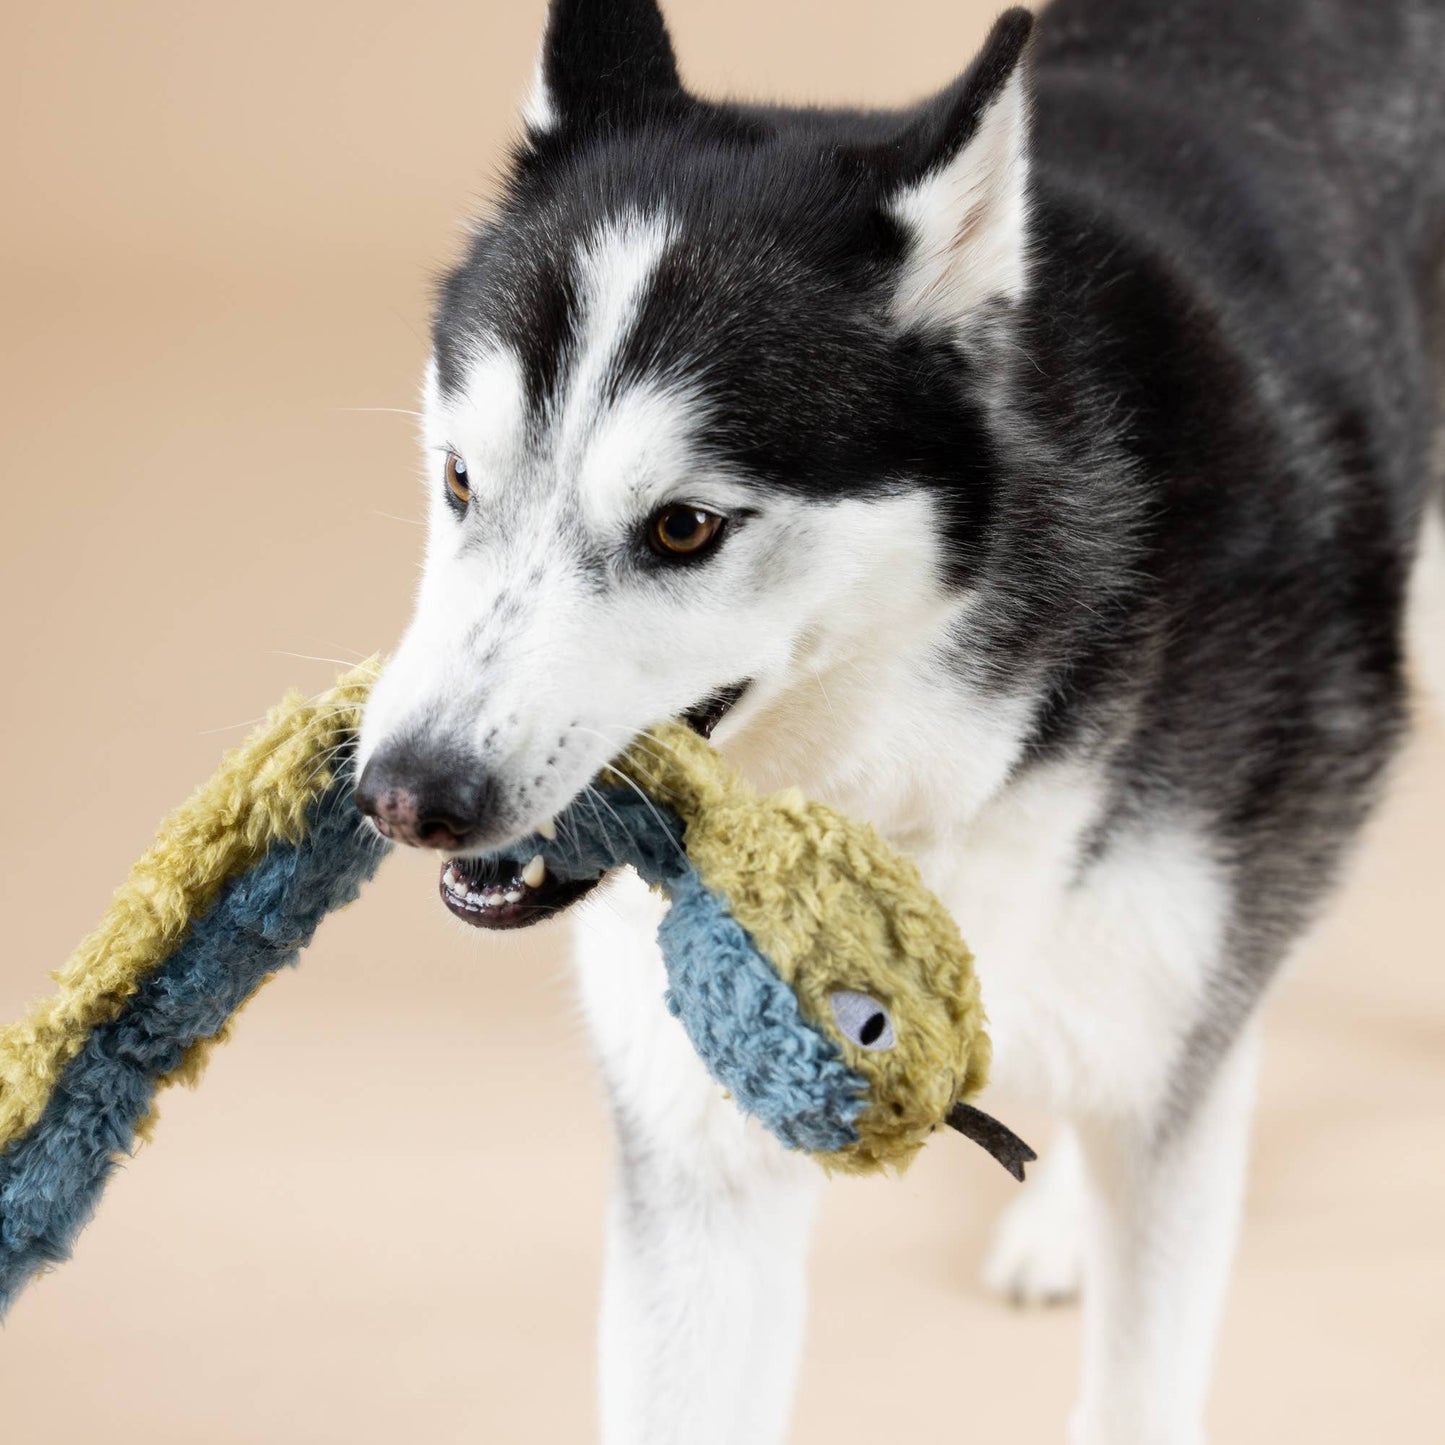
[{"x": 310, "y": 657}]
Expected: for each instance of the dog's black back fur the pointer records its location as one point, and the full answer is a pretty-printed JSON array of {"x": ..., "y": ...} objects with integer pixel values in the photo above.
[
  {"x": 1241, "y": 227},
  {"x": 1185, "y": 473}
]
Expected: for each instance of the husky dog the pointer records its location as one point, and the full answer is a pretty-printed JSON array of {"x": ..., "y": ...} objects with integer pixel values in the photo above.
[{"x": 1037, "y": 473}]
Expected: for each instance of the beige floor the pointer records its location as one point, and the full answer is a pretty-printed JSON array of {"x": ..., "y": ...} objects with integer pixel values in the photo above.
[{"x": 379, "y": 1218}]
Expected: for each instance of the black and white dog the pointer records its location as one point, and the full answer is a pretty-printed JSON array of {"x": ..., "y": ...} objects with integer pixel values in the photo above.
[{"x": 1038, "y": 473}]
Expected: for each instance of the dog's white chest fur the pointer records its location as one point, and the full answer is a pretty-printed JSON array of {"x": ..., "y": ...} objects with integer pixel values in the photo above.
[{"x": 1092, "y": 966}]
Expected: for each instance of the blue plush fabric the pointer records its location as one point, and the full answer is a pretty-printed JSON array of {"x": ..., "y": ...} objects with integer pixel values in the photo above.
[
  {"x": 606, "y": 828},
  {"x": 742, "y": 1018},
  {"x": 745, "y": 1023},
  {"x": 51, "y": 1180}
]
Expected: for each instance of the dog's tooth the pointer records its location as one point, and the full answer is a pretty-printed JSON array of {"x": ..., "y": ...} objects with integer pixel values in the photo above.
[
  {"x": 547, "y": 830},
  {"x": 513, "y": 895},
  {"x": 535, "y": 873}
]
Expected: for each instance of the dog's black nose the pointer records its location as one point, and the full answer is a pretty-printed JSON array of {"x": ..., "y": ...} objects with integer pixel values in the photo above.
[{"x": 437, "y": 804}]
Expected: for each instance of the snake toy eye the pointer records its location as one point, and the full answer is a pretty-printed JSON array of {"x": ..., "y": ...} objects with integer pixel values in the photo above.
[
  {"x": 457, "y": 483},
  {"x": 862, "y": 1020}
]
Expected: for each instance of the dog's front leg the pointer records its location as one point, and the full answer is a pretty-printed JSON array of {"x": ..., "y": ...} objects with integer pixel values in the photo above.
[
  {"x": 704, "y": 1295},
  {"x": 1163, "y": 1205}
]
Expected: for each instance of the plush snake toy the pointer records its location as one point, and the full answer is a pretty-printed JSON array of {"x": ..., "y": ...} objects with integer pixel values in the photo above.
[{"x": 818, "y": 979}]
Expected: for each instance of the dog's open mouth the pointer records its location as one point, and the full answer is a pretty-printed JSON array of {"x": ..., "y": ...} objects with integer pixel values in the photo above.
[
  {"x": 516, "y": 892},
  {"x": 496, "y": 893},
  {"x": 703, "y": 717}
]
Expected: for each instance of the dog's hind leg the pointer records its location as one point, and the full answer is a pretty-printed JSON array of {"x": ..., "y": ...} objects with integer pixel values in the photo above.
[
  {"x": 1037, "y": 1252},
  {"x": 704, "y": 1294},
  {"x": 1162, "y": 1216}
]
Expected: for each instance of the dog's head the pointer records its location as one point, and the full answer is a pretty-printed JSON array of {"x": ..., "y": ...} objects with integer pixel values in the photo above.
[{"x": 694, "y": 418}]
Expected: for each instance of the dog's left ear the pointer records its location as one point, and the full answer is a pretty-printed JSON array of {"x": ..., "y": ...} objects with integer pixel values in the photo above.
[
  {"x": 957, "y": 181},
  {"x": 605, "y": 65}
]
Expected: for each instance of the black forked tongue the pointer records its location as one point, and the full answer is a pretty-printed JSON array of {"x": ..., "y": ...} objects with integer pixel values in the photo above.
[{"x": 1001, "y": 1142}]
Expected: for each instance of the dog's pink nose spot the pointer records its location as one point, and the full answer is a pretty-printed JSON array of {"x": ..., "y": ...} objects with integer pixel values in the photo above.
[
  {"x": 398, "y": 808},
  {"x": 399, "y": 816},
  {"x": 394, "y": 813},
  {"x": 441, "y": 814}
]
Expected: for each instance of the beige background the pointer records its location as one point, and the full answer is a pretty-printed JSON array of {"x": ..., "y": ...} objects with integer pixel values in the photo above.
[{"x": 218, "y": 228}]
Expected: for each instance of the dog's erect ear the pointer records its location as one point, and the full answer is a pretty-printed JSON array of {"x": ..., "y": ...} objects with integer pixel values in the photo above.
[
  {"x": 957, "y": 180},
  {"x": 605, "y": 65}
]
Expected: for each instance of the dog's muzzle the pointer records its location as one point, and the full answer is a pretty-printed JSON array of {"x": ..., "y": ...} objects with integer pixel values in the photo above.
[{"x": 503, "y": 892}]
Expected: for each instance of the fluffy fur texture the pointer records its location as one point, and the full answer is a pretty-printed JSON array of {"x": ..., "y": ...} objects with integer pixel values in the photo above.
[
  {"x": 235, "y": 886},
  {"x": 1073, "y": 431}
]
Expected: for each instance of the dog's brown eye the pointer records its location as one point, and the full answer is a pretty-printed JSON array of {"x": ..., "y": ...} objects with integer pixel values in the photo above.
[
  {"x": 457, "y": 483},
  {"x": 683, "y": 531}
]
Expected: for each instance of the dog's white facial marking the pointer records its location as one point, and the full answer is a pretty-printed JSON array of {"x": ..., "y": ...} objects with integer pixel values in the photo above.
[
  {"x": 968, "y": 223},
  {"x": 539, "y": 112},
  {"x": 613, "y": 270},
  {"x": 641, "y": 453},
  {"x": 490, "y": 431},
  {"x": 867, "y": 716},
  {"x": 546, "y": 635}
]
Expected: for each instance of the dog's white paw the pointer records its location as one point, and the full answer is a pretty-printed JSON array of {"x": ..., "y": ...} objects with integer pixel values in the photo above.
[{"x": 1037, "y": 1255}]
